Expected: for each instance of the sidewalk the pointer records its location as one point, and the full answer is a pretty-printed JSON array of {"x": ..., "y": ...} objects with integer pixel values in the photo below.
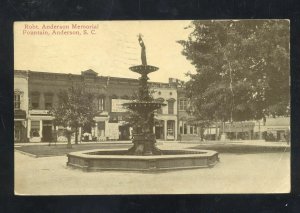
[
  {"x": 79, "y": 143},
  {"x": 241, "y": 143},
  {"x": 160, "y": 142}
]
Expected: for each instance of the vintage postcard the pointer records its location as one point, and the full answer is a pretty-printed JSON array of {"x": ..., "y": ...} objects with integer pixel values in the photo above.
[{"x": 152, "y": 107}]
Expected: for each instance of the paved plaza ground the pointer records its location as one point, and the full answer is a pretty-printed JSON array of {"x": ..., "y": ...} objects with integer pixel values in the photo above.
[
  {"x": 60, "y": 149},
  {"x": 236, "y": 173}
]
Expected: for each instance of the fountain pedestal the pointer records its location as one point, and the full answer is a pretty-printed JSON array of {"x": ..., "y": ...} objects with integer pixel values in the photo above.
[{"x": 144, "y": 144}]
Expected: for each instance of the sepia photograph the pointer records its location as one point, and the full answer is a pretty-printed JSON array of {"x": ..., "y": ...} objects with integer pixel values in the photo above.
[{"x": 152, "y": 107}]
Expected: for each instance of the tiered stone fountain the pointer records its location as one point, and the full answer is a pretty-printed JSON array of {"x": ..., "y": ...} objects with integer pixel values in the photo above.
[{"x": 143, "y": 155}]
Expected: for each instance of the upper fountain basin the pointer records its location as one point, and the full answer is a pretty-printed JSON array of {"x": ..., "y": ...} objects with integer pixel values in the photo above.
[{"x": 143, "y": 69}]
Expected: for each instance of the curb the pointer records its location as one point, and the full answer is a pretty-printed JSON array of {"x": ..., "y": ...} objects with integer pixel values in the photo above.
[{"x": 26, "y": 153}]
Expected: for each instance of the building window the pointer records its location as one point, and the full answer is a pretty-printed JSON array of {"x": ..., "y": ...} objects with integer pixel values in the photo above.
[
  {"x": 184, "y": 129},
  {"x": 48, "y": 100},
  {"x": 183, "y": 104},
  {"x": 180, "y": 130},
  {"x": 191, "y": 129},
  {"x": 17, "y": 101},
  {"x": 100, "y": 103},
  {"x": 35, "y": 99},
  {"x": 171, "y": 105}
]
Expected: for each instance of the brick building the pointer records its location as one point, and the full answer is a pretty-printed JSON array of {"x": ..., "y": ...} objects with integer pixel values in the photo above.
[{"x": 110, "y": 93}]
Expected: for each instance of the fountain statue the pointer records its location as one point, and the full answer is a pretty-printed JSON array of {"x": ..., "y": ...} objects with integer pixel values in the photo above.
[{"x": 143, "y": 51}]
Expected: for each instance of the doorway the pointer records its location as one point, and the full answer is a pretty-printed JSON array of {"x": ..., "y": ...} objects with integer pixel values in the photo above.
[
  {"x": 124, "y": 133},
  {"x": 159, "y": 129},
  {"x": 47, "y": 131}
]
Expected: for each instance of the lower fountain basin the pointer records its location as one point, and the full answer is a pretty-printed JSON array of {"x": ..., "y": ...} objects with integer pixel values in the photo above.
[{"x": 107, "y": 159}]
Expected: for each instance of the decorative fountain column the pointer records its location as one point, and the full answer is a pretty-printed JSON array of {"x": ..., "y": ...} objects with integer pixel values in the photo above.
[{"x": 144, "y": 138}]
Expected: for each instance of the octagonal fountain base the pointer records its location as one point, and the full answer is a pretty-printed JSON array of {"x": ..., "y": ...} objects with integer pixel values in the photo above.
[{"x": 100, "y": 159}]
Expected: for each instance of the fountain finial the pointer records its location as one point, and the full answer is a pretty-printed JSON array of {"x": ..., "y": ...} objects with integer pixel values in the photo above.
[{"x": 143, "y": 50}]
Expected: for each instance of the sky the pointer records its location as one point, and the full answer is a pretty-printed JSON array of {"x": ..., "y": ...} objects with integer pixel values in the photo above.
[{"x": 110, "y": 51}]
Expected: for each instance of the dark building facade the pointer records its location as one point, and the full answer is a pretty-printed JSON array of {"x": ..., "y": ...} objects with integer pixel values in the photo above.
[
  {"x": 43, "y": 95},
  {"x": 109, "y": 93}
]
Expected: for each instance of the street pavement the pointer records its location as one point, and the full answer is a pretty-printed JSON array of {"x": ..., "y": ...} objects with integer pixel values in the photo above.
[
  {"x": 236, "y": 173},
  {"x": 159, "y": 142}
]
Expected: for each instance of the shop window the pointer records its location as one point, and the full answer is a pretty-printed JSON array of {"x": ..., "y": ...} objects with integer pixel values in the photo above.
[
  {"x": 35, "y": 129},
  {"x": 182, "y": 104},
  {"x": 180, "y": 130},
  {"x": 17, "y": 102}
]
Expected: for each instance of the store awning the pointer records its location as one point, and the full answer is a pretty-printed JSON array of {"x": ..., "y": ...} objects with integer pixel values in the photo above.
[
  {"x": 101, "y": 118},
  {"x": 277, "y": 128}
]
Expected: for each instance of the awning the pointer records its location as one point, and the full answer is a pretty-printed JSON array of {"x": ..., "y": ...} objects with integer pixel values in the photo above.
[
  {"x": 278, "y": 128},
  {"x": 101, "y": 118}
]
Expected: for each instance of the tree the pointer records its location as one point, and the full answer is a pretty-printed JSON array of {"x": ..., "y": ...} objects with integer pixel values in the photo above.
[
  {"x": 242, "y": 69},
  {"x": 75, "y": 108}
]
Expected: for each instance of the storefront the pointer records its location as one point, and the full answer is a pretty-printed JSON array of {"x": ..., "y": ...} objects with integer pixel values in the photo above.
[
  {"x": 277, "y": 129},
  {"x": 277, "y": 133},
  {"x": 165, "y": 129},
  {"x": 100, "y": 127},
  {"x": 238, "y": 130},
  {"x": 20, "y": 134},
  {"x": 187, "y": 131},
  {"x": 40, "y": 126}
]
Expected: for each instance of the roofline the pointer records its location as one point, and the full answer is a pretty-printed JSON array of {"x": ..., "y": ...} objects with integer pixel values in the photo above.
[{"x": 99, "y": 76}]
